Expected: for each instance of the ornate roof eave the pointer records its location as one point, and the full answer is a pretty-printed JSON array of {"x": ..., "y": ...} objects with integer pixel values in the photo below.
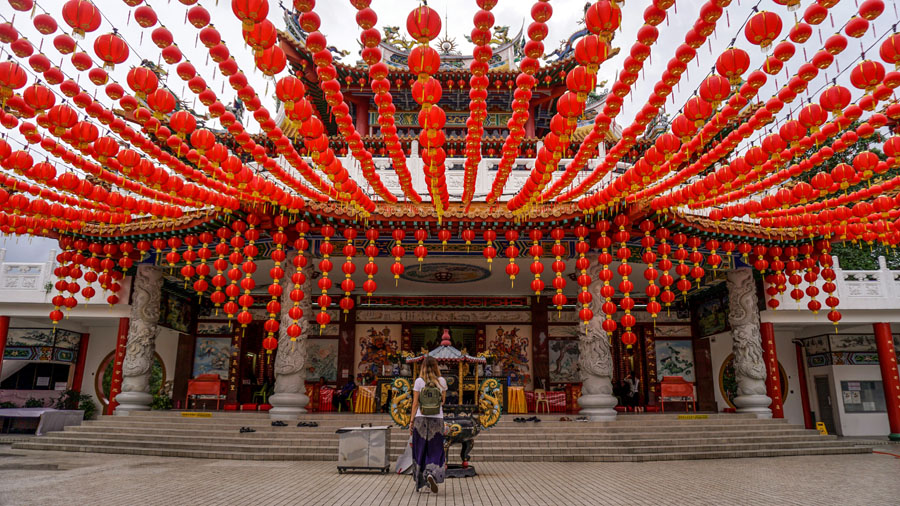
[
  {"x": 152, "y": 226},
  {"x": 706, "y": 226},
  {"x": 456, "y": 211}
]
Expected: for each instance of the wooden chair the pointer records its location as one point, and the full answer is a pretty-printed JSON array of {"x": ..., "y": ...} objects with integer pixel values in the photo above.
[{"x": 540, "y": 396}]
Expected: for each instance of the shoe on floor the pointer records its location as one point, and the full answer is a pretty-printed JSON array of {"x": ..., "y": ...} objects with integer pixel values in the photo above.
[
  {"x": 278, "y": 423},
  {"x": 432, "y": 484}
]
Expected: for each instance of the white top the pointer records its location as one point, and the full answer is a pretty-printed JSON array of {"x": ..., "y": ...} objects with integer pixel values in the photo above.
[
  {"x": 419, "y": 385},
  {"x": 633, "y": 385}
]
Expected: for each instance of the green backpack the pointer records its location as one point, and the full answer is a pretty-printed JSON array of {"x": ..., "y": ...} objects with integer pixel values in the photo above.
[{"x": 430, "y": 400}]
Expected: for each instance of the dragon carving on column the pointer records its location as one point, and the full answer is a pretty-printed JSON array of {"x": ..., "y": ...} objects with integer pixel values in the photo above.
[
  {"x": 595, "y": 360},
  {"x": 749, "y": 366},
  {"x": 142, "y": 330},
  {"x": 290, "y": 359}
]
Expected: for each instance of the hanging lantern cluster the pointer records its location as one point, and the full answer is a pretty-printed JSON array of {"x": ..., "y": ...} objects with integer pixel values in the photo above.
[
  {"x": 420, "y": 251},
  {"x": 326, "y": 248},
  {"x": 301, "y": 244},
  {"x": 369, "y": 285},
  {"x": 348, "y": 268},
  {"x": 275, "y": 290},
  {"x": 380, "y": 85},
  {"x": 650, "y": 273},
  {"x": 511, "y": 252},
  {"x": 203, "y": 270},
  {"x": 397, "y": 251},
  {"x": 537, "y": 268},
  {"x": 585, "y": 314},
  {"x": 424, "y": 25},
  {"x": 478, "y": 84},
  {"x": 558, "y": 266},
  {"x": 541, "y": 12},
  {"x": 249, "y": 267}
]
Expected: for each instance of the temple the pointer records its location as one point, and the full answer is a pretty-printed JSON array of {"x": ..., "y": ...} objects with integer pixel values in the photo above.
[{"x": 204, "y": 239}]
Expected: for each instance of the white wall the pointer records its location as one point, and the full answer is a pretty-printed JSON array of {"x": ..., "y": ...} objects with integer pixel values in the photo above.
[
  {"x": 720, "y": 348},
  {"x": 857, "y": 424},
  {"x": 849, "y": 424},
  {"x": 103, "y": 342}
]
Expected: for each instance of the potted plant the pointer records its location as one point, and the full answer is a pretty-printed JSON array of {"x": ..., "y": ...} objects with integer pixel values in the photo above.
[{"x": 73, "y": 399}]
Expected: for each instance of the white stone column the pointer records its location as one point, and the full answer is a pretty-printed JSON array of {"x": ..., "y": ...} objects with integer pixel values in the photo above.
[
  {"x": 749, "y": 367},
  {"x": 595, "y": 360},
  {"x": 142, "y": 331},
  {"x": 290, "y": 399}
]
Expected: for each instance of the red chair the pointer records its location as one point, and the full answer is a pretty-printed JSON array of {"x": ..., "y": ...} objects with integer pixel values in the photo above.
[
  {"x": 205, "y": 384},
  {"x": 676, "y": 389}
]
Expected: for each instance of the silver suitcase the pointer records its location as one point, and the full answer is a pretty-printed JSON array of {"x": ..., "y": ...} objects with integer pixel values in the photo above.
[{"x": 364, "y": 448}]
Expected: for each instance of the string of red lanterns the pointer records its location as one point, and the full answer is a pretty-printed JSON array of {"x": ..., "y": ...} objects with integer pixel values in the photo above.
[
  {"x": 478, "y": 83},
  {"x": 541, "y": 12}
]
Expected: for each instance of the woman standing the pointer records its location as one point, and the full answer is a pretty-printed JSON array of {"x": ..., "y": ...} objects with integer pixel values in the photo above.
[
  {"x": 427, "y": 427},
  {"x": 633, "y": 392}
]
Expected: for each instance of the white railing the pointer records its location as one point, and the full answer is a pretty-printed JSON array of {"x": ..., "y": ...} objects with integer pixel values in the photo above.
[
  {"x": 875, "y": 289},
  {"x": 33, "y": 282}
]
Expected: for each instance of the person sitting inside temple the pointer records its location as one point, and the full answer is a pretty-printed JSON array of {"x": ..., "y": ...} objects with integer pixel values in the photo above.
[{"x": 342, "y": 399}]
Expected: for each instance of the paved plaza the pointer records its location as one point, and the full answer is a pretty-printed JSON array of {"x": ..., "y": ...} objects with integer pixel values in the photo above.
[{"x": 58, "y": 478}]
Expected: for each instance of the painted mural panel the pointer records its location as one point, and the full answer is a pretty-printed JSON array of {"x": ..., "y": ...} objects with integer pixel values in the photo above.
[
  {"x": 377, "y": 345},
  {"x": 675, "y": 358},
  {"x": 205, "y": 328},
  {"x": 564, "y": 361},
  {"x": 211, "y": 355},
  {"x": 321, "y": 359},
  {"x": 511, "y": 347}
]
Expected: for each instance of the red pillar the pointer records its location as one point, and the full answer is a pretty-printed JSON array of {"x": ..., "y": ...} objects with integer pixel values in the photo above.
[
  {"x": 804, "y": 387},
  {"x": 362, "y": 115},
  {"x": 79, "y": 364},
  {"x": 529, "y": 125},
  {"x": 116, "y": 383},
  {"x": 887, "y": 359},
  {"x": 773, "y": 379},
  {"x": 4, "y": 331}
]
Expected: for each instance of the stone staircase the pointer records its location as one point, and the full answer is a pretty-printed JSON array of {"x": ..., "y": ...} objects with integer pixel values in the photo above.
[{"x": 631, "y": 438}]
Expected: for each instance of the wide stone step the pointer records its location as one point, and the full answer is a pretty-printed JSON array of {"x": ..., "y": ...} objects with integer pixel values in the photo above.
[
  {"x": 479, "y": 453},
  {"x": 360, "y": 418},
  {"x": 302, "y": 447},
  {"x": 537, "y": 457},
  {"x": 352, "y": 419},
  {"x": 487, "y": 436},
  {"x": 499, "y": 443},
  {"x": 571, "y": 427},
  {"x": 291, "y": 437},
  {"x": 630, "y": 438}
]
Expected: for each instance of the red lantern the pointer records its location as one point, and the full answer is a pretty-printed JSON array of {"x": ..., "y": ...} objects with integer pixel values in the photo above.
[
  {"x": 250, "y": 12},
  {"x": 81, "y": 15},
  {"x": 12, "y": 77},
  {"x": 890, "y": 50},
  {"x": 867, "y": 74},
  {"x": 423, "y": 24},
  {"x": 142, "y": 81},
  {"x": 763, "y": 28},
  {"x": 603, "y": 18},
  {"x": 271, "y": 61},
  {"x": 732, "y": 64}
]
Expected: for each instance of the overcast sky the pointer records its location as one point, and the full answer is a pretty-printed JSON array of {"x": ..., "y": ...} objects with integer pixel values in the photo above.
[{"x": 340, "y": 28}]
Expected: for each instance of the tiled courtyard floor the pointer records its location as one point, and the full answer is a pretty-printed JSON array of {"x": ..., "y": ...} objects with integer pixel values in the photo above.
[{"x": 51, "y": 478}]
